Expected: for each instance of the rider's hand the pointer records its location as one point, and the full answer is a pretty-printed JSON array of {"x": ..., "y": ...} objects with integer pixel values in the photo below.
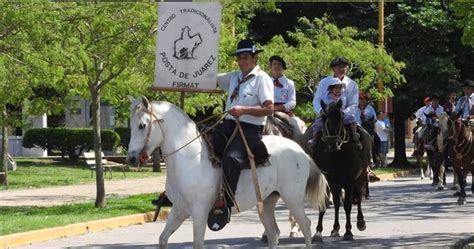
[{"x": 236, "y": 111}]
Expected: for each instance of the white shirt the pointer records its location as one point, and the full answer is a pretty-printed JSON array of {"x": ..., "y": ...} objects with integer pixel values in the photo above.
[
  {"x": 253, "y": 92},
  {"x": 419, "y": 114},
  {"x": 285, "y": 94},
  {"x": 380, "y": 129},
  {"x": 464, "y": 105},
  {"x": 351, "y": 93},
  {"x": 430, "y": 109}
]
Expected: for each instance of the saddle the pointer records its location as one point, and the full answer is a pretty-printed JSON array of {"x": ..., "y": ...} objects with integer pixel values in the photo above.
[
  {"x": 259, "y": 151},
  {"x": 280, "y": 121}
]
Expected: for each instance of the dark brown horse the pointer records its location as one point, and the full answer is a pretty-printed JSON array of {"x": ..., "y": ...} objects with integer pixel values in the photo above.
[
  {"x": 340, "y": 159},
  {"x": 461, "y": 138}
]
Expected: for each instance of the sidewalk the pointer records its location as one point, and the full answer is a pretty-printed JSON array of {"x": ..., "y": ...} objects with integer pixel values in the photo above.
[{"x": 52, "y": 196}]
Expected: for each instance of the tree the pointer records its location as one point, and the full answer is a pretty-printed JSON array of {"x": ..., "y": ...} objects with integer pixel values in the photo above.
[
  {"x": 317, "y": 42},
  {"x": 23, "y": 66},
  {"x": 465, "y": 12},
  {"x": 102, "y": 44}
]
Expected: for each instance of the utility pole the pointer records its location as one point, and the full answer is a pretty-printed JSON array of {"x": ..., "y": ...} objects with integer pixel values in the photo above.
[{"x": 381, "y": 103}]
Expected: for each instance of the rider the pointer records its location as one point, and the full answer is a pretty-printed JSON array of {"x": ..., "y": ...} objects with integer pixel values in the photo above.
[
  {"x": 249, "y": 101},
  {"x": 334, "y": 94},
  {"x": 465, "y": 105},
  {"x": 366, "y": 113},
  {"x": 284, "y": 88},
  {"x": 434, "y": 109},
  {"x": 339, "y": 67}
]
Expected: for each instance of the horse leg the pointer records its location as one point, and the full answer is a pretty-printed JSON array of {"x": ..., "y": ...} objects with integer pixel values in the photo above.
[
  {"x": 175, "y": 219},
  {"x": 199, "y": 216},
  {"x": 361, "y": 225},
  {"x": 462, "y": 184},
  {"x": 297, "y": 210},
  {"x": 318, "y": 237},
  {"x": 441, "y": 175},
  {"x": 336, "y": 193},
  {"x": 269, "y": 216},
  {"x": 294, "y": 226},
  {"x": 348, "y": 236},
  {"x": 419, "y": 161}
]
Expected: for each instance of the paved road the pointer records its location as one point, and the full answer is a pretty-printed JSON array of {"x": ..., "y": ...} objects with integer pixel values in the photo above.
[
  {"x": 52, "y": 196},
  {"x": 406, "y": 212}
]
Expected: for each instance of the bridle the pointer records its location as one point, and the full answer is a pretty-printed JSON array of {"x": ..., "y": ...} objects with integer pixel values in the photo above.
[
  {"x": 143, "y": 156},
  {"x": 462, "y": 149},
  {"x": 340, "y": 136}
]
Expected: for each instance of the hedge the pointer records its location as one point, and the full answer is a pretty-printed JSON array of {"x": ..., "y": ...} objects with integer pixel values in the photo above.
[{"x": 70, "y": 141}]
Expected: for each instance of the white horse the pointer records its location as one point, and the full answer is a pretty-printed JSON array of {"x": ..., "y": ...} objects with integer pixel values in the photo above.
[
  {"x": 298, "y": 129},
  {"x": 193, "y": 183}
]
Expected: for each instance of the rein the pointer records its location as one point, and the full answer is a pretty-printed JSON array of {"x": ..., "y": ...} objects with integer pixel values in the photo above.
[
  {"x": 341, "y": 133},
  {"x": 466, "y": 144},
  {"x": 144, "y": 156}
]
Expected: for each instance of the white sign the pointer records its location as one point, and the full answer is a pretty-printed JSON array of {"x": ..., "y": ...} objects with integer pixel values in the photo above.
[{"x": 187, "y": 46}]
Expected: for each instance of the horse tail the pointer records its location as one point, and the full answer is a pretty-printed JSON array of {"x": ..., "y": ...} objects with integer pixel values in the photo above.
[{"x": 316, "y": 187}]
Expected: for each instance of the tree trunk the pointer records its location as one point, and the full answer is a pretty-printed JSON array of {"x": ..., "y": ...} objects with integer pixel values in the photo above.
[
  {"x": 99, "y": 170},
  {"x": 400, "y": 159},
  {"x": 3, "y": 156},
  {"x": 156, "y": 160}
]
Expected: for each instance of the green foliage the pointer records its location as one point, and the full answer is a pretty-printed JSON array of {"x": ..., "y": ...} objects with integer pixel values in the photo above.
[
  {"x": 22, "y": 219},
  {"x": 464, "y": 10},
  {"x": 70, "y": 141},
  {"x": 40, "y": 173},
  {"x": 317, "y": 42}
]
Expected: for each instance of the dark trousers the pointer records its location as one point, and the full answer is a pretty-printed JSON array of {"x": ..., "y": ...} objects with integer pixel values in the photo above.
[{"x": 234, "y": 156}]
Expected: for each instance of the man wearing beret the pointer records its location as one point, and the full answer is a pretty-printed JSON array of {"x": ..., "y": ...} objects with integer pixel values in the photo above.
[
  {"x": 250, "y": 100},
  {"x": 284, "y": 88}
]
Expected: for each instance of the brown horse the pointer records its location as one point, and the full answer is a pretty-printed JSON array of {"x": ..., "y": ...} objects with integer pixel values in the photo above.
[{"x": 461, "y": 137}]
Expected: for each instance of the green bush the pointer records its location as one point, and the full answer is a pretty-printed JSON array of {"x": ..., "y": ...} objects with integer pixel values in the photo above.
[{"x": 70, "y": 141}]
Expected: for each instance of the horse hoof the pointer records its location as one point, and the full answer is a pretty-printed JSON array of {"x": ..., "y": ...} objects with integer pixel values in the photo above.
[
  {"x": 293, "y": 234},
  {"x": 335, "y": 233},
  {"x": 317, "y": 238},
  {"x": 457, "y": 194},
  {"x": 440, "y": 188},
  {"x": 361, "y": 225},
  {"x": 422, "y": 178},
  {"x": 348, "y": 237},
  {"x": 461, "y": 201},
  {"x": 264, "y": 239}
]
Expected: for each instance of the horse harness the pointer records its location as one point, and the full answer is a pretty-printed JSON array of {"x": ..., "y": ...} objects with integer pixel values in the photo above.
[
  {"x": 341, "y": 135},
  {"x": 462, "y": 149}
]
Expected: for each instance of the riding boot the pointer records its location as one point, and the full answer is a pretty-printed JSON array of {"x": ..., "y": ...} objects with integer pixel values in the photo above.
[{"x": 355, "y": 136}]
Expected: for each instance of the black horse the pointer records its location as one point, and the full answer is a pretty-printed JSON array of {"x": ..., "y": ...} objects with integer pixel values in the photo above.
[{"x": 340, "y": 158}]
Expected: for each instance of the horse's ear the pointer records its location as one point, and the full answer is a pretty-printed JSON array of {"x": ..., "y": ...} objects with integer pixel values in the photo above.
[
  {"x": 323, "y": 105},
  {"x": 339, "y": 104},
  {"x": 145, "y": 102}
]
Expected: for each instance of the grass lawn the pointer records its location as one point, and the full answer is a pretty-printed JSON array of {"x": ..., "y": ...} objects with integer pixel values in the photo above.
[
  {"x": 22, "y": 219},
  {"x": 37, "y": 173}
]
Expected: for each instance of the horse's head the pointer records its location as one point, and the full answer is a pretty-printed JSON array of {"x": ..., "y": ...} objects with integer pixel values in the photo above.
[
  {"x": 334, "y": 133},
  {"x": 432, "y": 130},
  {"x": 146, "y": 132}
]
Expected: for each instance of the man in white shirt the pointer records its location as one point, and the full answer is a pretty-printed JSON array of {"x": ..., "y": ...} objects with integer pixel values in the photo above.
[
  {"x": 284, "y": 88},
  {"x": 382, "y": 132},
  {"x": 249, "y": 101},
  {"x": 434, "y": 108},
  {"x": 465, "y": 105},
  {"x": 420, "y": 113}
]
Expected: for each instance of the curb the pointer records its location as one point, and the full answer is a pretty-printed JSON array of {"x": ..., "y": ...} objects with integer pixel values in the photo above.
[
  {"x": 392, "y": 176},
  {"x": 17, "y": 239}
]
